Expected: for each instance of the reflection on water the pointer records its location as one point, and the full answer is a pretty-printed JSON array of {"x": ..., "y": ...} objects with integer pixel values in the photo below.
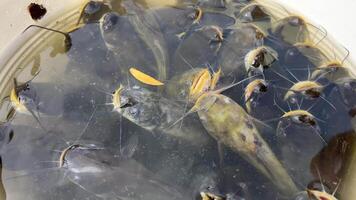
[{"x": 79, "y": 126}]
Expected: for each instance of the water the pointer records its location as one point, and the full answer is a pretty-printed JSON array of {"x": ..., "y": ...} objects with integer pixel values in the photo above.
[{"x": 70, "y": 142}]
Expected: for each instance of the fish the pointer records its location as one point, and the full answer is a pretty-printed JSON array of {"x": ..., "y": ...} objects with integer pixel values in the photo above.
[
  {"x": 6, "y": 135},
  {"x": 304, "y": 89},
  {"x": 149, "y": 30},
  {"x": 141, "y": 37},
  {"x": 239, "y": 41},
  {"x": 317, "y": 193},
  {"x": 210, "y": 196},
  {"x": 333, "y": 71},
  {"x": 2, "y": 189},
  {"x": 260, "y": 59},
  {"x": 189, "y": 85},
  {"x": 253, "y": 91},
  {"x": 24, "y": 100},
  {"x": 253, "y": 12},
  {"x": 229, "y": 124},
  {"x": 128, "y": 180},
  {"x": 107, "y": 174},
  {"x": 90, "y": 10},
  {"x": 332, "y": 161},
  {"x": 198, "y": 48},
  {"x": 156, "y": 113},
  {"x": 310, "y": 89},
  {"x": 291, "y": 29}
]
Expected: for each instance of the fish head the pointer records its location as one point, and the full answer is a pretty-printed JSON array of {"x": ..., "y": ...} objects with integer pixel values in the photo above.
[
  {"x": 115, "y": 29},
  {"x": 26, "y": 97},
  {"x": 320, "y": 195},
  {"x": 140, "y": 106},
  {"x": 79, "y": 158},
  {"x": 92, "y": 7}
]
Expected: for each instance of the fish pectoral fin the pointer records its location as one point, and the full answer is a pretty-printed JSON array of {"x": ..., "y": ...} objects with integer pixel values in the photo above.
[
  {"x": 221, "y": 151},
  {"x": 11, "y": 114}
]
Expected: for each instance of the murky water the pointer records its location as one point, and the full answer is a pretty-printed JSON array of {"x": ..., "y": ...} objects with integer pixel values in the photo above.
[{"x": 252, "y": 107}]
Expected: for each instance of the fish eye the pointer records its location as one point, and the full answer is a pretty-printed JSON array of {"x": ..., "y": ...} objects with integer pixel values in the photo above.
[
  {"x": 247, "y": 16},
  {"x": 306, "y": 120},
  {"x": 313, "y": 93},
  {"x": 27, "y": 87},
  {"x": 127, "y": 102},
  {"x": 21, "y": 98},
  {"x": 263, "y": 88},
  {"x": 291, "y": 54},
  {"x": 296, "y": 21},
  {"x": 92, "y": 7},
  {"x": 258, "y": 59},
  {"x": 293, "y": 99},
  {"x": 109, "y": 21},
  {"x": 133, "y": 111}
]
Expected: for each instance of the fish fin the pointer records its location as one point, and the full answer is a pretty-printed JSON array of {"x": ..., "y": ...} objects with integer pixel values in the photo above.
[
  {"x": 31, "y": 172},
  {"x": 37, "y": 118},
  {"x": 11, "y": 114},
  {"x": 221, "y": 151},
  {"x": 130, "y": 147},
  {"x": 181, "y": 35},
  {"x": 260, "y": 125}
]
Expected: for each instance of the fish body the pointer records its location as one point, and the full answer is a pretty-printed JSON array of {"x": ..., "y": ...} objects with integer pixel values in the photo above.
[
  {"x": 147, "y": 26},
  {"x": 239, "y": 41},
  {"x": 2, "y": 189},
  {"x": 135, "y": 39},
  {"x": 156, "y": 113},
  {"x": 94, "y": 170},
  {"x": 230, "y": 125},
  {"x": 125, "y": 44},
  {"x": 190, "y": 85}
]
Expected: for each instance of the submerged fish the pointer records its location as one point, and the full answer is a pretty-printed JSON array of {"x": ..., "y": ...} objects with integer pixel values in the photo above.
[
  {"x": 230, "y": 125},
  {"x": 191, "y": 84},
  {"x": 135, "y": 39},
  {"x": 155, "y": 113},
  {"x": 238, "y": 42},
  {"x": 2, "y": 189},
  {"x": 92, "y": 170}
]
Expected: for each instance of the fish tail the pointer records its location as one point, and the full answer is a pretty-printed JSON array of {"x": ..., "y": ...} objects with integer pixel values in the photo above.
[{"x": 277, "y": 173}]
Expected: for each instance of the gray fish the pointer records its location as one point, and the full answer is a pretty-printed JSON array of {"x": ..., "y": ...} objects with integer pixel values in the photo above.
[
  {"x": 2, "y": 189},
  {"x": 238, "y": 42},
  {"x": 136, "y": 39},
  {"x": 128, "y": 180},
  {"x": 157, "y": 114},
  {"x": 6, "y": 135}
]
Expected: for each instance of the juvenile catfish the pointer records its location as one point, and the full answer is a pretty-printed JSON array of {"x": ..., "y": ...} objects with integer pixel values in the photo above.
[{"x": 229, "y": 124}]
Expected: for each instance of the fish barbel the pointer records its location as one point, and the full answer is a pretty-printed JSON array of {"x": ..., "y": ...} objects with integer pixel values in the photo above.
[{"x": 229, "y": 124}]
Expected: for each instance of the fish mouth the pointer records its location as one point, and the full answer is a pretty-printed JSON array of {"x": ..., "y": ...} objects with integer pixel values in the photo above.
[
  {"x": 109, "y": 21},
  {"x": 312, "y": 194}
]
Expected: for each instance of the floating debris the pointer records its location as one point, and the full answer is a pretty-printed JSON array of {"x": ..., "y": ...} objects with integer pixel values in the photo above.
[{"x": 144, "y": 78}]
